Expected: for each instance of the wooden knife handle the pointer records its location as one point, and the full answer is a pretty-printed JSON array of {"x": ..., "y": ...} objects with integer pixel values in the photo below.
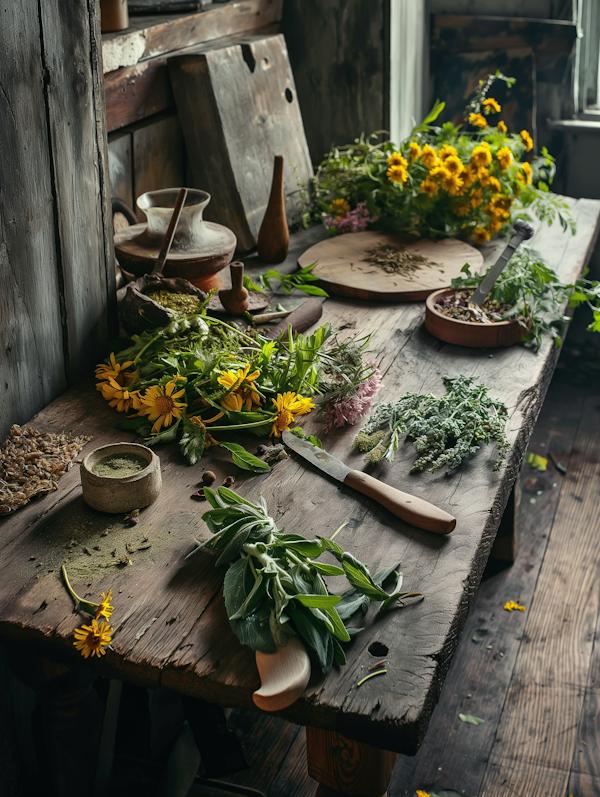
[
  {"x": 408, "y": 507},
  {"x": 301, "y": 318}
]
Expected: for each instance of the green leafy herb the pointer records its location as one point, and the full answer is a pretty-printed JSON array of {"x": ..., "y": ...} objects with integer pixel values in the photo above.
[
  {"x": 274, "y": 588},
  {"x": 445, "y": 430},
  {"x": 301, "y": 280},
  {"x": 244, "y": 459},
  {"x": 535, "y": 296},
  {"x": 471, "y": 719}
]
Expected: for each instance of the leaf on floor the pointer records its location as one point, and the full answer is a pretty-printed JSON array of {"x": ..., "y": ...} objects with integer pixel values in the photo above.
[
  {"x": 479, "y": 635},
  {"x": 471, "y": 719},
  {"x": 536, "y": 462}
]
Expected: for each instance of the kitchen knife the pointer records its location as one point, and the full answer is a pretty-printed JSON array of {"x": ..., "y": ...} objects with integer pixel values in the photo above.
[
  {"x": 408, "y": 507},
  {"x": 523, "y": 231}
]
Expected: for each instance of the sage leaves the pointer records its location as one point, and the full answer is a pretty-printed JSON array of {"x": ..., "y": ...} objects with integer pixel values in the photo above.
[
  {"x": 244, "y": 459},
  {"x": 274, "y": 588}
]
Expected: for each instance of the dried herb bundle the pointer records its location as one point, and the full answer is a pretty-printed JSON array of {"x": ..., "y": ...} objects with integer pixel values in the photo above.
[
  {"x": 396, "y": 259},
  {"x": 445, "y": 430},
  {"x": 274, "y": 588}
]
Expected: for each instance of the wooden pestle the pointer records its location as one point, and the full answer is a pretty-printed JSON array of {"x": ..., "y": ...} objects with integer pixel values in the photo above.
[{"x": 236, "y": 300}]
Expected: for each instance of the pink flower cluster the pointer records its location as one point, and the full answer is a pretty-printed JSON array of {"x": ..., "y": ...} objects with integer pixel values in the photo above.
[
  {"x": 344, "y": 408},
  {"x": 354, "y": 221}
]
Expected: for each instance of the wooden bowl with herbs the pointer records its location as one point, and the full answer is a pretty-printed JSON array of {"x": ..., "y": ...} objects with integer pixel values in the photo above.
[
  {"x": 449, "y": 317},
  {"x": 120, "y": 477}
]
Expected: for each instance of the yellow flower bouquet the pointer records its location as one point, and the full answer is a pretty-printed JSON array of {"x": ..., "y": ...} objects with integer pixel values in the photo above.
[{"x": 452, "y": 181}]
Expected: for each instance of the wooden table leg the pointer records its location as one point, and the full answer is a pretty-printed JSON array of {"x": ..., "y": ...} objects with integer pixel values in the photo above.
[
  {"x": 506, "y": 543},
  {"x": 345, "y": 767}
]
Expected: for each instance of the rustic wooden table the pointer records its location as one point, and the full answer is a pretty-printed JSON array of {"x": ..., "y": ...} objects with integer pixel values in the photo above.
[{"x": 169, "y": 619}]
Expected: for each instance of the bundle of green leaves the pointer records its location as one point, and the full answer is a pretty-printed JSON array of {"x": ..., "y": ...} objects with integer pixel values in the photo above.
[
  {"x": 274, "y": 584},
  {"x": 444, "y": 429},
  {"x": 535, "y": 296},
  {"x": 199, "y": 379}
]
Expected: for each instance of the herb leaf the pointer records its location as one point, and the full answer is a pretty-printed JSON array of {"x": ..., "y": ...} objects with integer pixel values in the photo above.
[{"x": 244, "y": 459}]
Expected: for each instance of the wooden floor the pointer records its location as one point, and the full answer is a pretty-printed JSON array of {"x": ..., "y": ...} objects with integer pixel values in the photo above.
[{"x": 534, "y": 677}]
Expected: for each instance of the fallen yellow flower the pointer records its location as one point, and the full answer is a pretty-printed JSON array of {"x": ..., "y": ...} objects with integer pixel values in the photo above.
[{"x": 510, "y": 606}]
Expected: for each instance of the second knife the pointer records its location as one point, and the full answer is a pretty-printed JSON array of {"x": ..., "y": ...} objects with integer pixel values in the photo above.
[{"x": 408, "y": 507}]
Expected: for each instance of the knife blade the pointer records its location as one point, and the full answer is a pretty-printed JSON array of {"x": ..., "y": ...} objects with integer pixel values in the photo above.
[
  {"x": 407, "y": 507},
  {"x": 523, "y": 231}
]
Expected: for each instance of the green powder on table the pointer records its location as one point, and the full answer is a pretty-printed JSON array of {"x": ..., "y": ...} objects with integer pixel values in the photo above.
[{"x": 119, "y": 465}]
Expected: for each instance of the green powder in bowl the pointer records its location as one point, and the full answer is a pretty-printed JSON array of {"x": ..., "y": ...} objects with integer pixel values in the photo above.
[{"x": 119, "y": 465}]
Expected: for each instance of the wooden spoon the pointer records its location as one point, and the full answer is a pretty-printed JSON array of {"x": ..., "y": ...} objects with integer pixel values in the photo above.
[{"x": 283, "y": 676}]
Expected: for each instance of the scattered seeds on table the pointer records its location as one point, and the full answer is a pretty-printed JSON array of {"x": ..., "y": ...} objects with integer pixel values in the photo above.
[{"x": 208, "y": 477}]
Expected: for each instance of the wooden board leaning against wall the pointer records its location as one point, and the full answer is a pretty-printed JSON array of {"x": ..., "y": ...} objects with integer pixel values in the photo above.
[{"x": 57, "y": 299}]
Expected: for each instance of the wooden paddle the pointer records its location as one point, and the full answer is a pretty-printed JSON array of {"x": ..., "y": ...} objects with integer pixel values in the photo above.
[{"x": 283, "y": 676}]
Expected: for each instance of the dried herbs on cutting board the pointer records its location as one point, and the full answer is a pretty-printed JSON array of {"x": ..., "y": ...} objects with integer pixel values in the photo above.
[
  {"x": 31, "y": 463},
  {"x": 444, "y": 430},
  {"x": 274, "y": 588},
  {"x": 396, "y": 259}
]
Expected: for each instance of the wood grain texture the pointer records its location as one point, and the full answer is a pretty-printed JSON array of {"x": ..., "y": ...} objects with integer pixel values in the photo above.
[
  {"x": 80, "y": 174},
  {"x": 347, "y": 767},
  {"x": 250, "y": 113},
  {"x": 151, "y": 36},
  {"x": 539, "y": 724},
  {"x": 32, "y": 366},
  {"x": 339, "y": 55},
  {"x": 454, "y": 754},
  {"x": 158, "y": 158},
  {"x": 170, "y": 622}
]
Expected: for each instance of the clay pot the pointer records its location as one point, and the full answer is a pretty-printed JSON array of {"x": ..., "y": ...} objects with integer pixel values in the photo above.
[
  {"x": 236, "y": 300},
  {"x": 465, "y": 333},
  {"x": 114, "y": 15},
  {"x": 200, "y": 249},
  {"x": 124, "y": 493}
]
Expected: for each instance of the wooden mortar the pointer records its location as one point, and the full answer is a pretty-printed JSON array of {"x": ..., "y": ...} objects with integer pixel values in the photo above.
[{"x": 124, "y": 493}]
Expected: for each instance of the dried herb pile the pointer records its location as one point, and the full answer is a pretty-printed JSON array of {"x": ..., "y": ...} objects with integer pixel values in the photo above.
[
  {"x": 396, "y": 259},
  {"x": 274, "y": 586},
  {"x": 31, "y": 462},
  {"x": 444, "y": 429},
  {"x": 457, "y": 306}
]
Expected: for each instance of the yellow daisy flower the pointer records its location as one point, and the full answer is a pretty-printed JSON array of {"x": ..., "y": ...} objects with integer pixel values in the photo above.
[
  {"x": 481, "y": 156},
  {"x": 494, "y": 226},
  {"x": 527, "y": 140},
  {"x": 233, "y": 402},
  {"x": 454, "y": 164},
  {"x": 505, "y": 158},
  {"x": 477, "y": 120},
  {"x": 526, "y": 168},
  {"x": 429, "y": 156},
  {"x": 446, "y": 151},
  {"x": 481, "y": 235},
  {"x": 453, "y": 185},
  {"x": 288, "y": 405},
  {"x": 113, "y": 370},
  {"x": 396, "y": 159},
  {"x": 429, "y": 187},
  {"x": 421, "y": 793},
  {"x": 161, "y": 405},
  {"x": 92, "y": 639},
  {"x": 118, "y": 396},
  {"x": 241, "y": 383},
  {"x": 440, "y": 172},
  {"x": 104, "y": 608},
  {"x": 339, "y": 208},
  {"x": 469, "y": 175},
  {"x": 462, "y": 209},
  {"x": 476, "y": 198},
  {"x": 415, "y": 150},
  {"x": 491, "y": 105},
  {"x": 397, "y": 174},
  {"x": 502, "y": 127}
]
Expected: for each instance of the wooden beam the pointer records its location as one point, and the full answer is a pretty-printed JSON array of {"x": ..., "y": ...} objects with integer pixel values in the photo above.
[{"x": 147, "y": 37}]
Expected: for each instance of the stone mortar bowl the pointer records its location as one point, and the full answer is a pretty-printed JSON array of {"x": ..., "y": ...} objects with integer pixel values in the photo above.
[{"x": 124, "y": 493}]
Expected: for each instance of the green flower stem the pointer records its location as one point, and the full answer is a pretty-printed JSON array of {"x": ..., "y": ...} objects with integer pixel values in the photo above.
[
  {"x": 293, "y": 558},
  {"x": 241, "y": 425},
  {"x": 73, "y": 594}
]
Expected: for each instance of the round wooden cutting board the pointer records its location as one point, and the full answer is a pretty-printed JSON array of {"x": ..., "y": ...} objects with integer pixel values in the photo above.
[{"x": 341, "y": 268}]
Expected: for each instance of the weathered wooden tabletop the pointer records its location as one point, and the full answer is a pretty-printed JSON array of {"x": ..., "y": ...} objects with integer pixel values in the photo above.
[{"x": 169, "y": 619}]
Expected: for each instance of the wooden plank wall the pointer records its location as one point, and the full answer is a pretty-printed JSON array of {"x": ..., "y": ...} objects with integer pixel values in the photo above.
[
  {"x": 55, "y": 258},
  {"x": 339, "y": 55}
]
